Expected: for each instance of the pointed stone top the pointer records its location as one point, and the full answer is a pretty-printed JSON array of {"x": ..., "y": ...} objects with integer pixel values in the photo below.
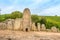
[{"x": 26, "y": 10}]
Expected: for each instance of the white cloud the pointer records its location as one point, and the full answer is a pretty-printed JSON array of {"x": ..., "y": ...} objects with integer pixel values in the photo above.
[
  {"x": 9, "y": 9},
  {"x": 40, "y": 1},
  {"x": 14, "y": 5},
  {"x": 37, "y": 3},
  {"x": 51, "y": 11}
]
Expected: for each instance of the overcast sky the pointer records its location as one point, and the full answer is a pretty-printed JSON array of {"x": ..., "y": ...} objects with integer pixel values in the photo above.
[{"x": 39, "y": 7}]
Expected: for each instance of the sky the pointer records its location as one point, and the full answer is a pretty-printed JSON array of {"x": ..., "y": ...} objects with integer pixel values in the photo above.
[{"x": 39, "y": 7}]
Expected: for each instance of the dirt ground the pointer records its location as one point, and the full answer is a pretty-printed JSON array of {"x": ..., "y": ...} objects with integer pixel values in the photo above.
[{"x": 19, "y": 35}]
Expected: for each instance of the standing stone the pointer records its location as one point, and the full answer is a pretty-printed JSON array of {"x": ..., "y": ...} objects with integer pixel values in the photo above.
[
  {"x": 3, "y": 26},
  {"x": 54, "y": 29},
  {"x": 38, "y": 26},
  {"x": 21, "y": 26},
  {"x": 58, "y": 30},
  {"x": 10, "y": 24},
  {"x": 43, "y": 28},
  {"x": 26, "y": 20},
  {"x": 33, "y": 27},
  {"x": 17, "y": 24}
]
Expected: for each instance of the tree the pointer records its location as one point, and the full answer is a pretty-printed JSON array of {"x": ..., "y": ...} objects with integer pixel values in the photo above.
[
  {"x": 34, "y": 18},
  {"x": 2, "y": 18},
  {"x": 16, "y": 14},
  {"x": 49, "y": 25},
  {"x": 7, "y": 16},
  {"x": 43, "y": 20}
]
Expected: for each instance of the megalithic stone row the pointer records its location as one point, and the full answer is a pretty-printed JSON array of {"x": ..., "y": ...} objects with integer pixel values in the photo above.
[{"x": 25, "y": 24}]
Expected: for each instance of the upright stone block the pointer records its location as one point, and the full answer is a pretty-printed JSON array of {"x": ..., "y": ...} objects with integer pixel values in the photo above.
[
  {"x": 3, "y": 26},
  {"x": 21, "y": 25},
  {"x": 58, "y": 30},
  {"x": 38, "y": 26},
  {"x": 26, "y": 20},
  {"x": 54, "y": 29},
  {"x": 43, "y": 28},
  {"x": 10, "y": 24},
  {"x": 33, "y": 27},
  {"x": 17, "y": 24}
]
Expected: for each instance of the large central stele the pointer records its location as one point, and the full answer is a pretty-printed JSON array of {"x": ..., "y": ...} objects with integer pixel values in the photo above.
[{"x": 26, "y": 20}]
